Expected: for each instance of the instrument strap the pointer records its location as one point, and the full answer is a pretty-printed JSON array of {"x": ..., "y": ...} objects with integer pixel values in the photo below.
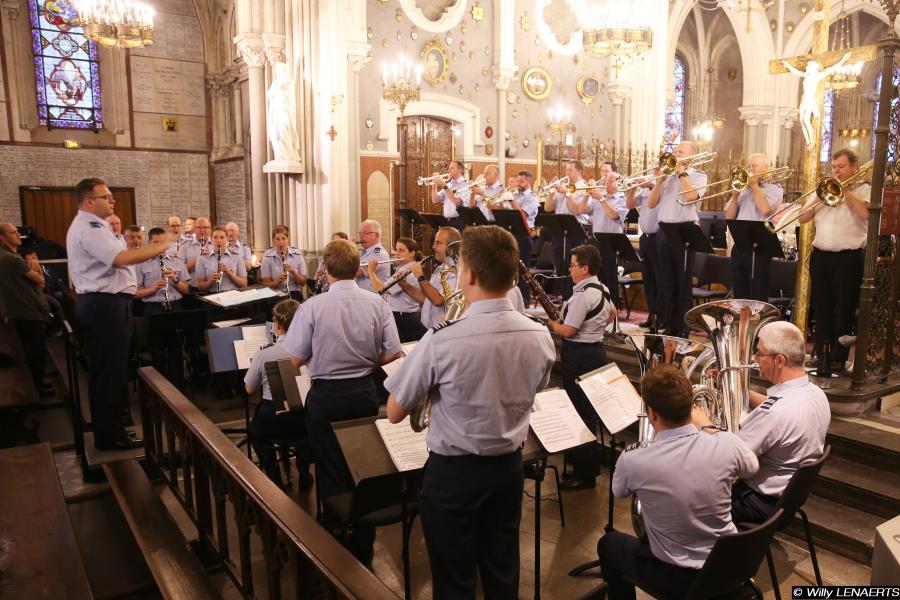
[{"x": 597, "y": 309}]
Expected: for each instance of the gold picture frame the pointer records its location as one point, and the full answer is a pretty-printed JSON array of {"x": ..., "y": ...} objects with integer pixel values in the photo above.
[
  {"x": 588, "y": 88},
  {"x": 435, "y": 63},
  {"x": 537, "y": 83}
]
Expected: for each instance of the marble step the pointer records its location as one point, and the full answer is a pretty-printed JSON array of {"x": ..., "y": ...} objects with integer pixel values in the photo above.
[
  {"x": 838, "y": 528},
  {"x": 859, "y": 486},
  {"x": 876, "y": 444}
]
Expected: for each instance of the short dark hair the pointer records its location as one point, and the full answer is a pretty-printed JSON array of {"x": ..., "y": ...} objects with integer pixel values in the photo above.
[
  {"x": 190, "y": 218},
  {"x": 492, "y": 253},
  {"x": 341, "y": 259},
  {"x": 284, "y": 311},
  {"x": 852, "y": 158},
  {"x": 219, "y": 228},
  {"x": 453, "y": 235},
  {"x": 587, "y": 256},
  {"x": 527, "y": 174},
  {"x": 579, "y": 166},
  {"x": 459, "y": 164},
  {"x": 612, "y": 165},
  {"x": 133, "y": 229},
  {"x": 281, "y": 229},
  {"x": 411, "y": 245},
  {"x": 341, "y": 234},
  {"x": 85, "y": 188},
  {"x": 155, "y": 231},
  {"x": 667, "y": 390}
]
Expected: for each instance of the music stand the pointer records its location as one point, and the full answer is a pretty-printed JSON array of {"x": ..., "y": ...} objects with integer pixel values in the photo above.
[
  {"x": 687, "y": 236},
  {"x": 411, "y": 216},
  {"x": 436, "y": 221},
  {"x": 512, "y": 221},
  {"x": 616, "y": 244},
  {"x": 564, "y": 226},
  {"x": 753, "y": 237},
  {"x": 472, "y": 217}
]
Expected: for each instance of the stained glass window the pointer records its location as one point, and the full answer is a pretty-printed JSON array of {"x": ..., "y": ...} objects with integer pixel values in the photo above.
[
  {"x": 827, "y": 126},
  {"x": 895, "y": 108},
  {"x": 674, "y": 125},
  {"x": 65, "y": 67}
]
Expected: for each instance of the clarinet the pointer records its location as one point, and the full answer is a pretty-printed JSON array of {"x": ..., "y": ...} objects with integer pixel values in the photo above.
[
  {"x": 167, "y": 302},
  {"x": 400, "y": 275},
  {"x": 219, "y": 269},
  {"x": 539, "y": 293},
  {"x": 284, "y": 265}
]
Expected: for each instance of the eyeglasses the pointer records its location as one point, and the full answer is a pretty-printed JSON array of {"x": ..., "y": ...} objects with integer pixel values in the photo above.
[
  {"x": 758, "y": 354},
  {"x": 361, "y": 233},
  {"x": 104, "y": 197}
]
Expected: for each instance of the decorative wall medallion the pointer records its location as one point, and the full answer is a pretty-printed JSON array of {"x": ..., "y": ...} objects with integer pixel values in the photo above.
[
  {"x": 525, "y": 143},
  {"x": 414, "y": 34},
  {"x": 170, "y": 124},
  {"x": 732, "y": 73},
  {"x": 398, "y": 15},
  {"x": 384, "y": 43},
  {"x": 454, "y": 57},
  {"x": 588, "y": 88},
  {"x": 484, "y": 71},
  {"x": 536, "y": 83},
  {"x": 489, "y": 149},
  {"x": 511, "y": 97},
  {"x": 399, "y": 36},
  {"x": 369, "y": 33},
  {"x": 370, "y": 122},
  {"x": 506, "y": 136},
  {"x": 461, "y": 90},
  {"x": 370, "y": 145},
  {"x": 434, "y": 62},
  {"x": 449, "y": 39},
  {"x": 487, "y": 51},
  {"x": 477, "y": 87},
  {"x": 471, "y": 55},
  {"x": 477, "y": 13},
  {"x": 463, "y": 28},
  {"x": 540, "y": 57},
  {"x": 515, "y": 114},
  {"x": 462, "y": 46},
  {"x": 488, "y": 132},
  {"x": 453, "y": 77},
  {"x": 525, "y": 21},
  {"x": 790, "y": 27}
]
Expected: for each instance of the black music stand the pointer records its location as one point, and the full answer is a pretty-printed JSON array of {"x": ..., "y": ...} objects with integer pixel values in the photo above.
[
  {"x": 616, "y": 244},
  {"x": 562, "y": 226},
  {"x": 472, "y": 216},
  {"x": 512, "y": 221},
  {"x": 411, "y": 216},
  {"x": 435, "y": 221},
  {"x": 753, "y": 237},
  {"x": 687, "y": 236}
]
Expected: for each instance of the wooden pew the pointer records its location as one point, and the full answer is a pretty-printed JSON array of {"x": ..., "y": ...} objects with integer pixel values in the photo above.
[{"x": 42, "y": 556}]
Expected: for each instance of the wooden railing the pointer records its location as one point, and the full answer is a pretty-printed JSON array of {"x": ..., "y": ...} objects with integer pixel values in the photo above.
[{"x": 240, "y": 515}]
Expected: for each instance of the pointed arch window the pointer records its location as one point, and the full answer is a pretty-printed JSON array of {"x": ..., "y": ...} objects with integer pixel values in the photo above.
[
  {"x": 674, "y": 119},
  {"x": 827, "y": 126},
  {"x": 893, "y": 121},
  {"x": 65, "y": 67}
]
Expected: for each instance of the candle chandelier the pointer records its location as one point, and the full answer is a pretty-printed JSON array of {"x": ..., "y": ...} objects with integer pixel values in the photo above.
[
  {"x": 847, "y": 77},
  {"x": 618, "y": 32},
  {"x": 116, "y": 23}
]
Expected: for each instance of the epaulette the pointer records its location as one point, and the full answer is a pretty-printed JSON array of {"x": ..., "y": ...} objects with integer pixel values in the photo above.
[
  {"x": 95, "y": 225},
  {"x": 376, "y": 249},
  {"x": 269, "y": 345},
  {"x": 270, "y": 251},
  {"x": 632, "y": 446},
  {"x": 444, "y": 325}
]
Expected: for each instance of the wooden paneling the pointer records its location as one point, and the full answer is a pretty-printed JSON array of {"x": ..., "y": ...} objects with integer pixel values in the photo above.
[{"x": 50, "y": 210}]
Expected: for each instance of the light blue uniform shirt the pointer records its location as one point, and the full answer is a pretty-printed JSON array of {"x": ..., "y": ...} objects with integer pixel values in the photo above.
[
  {"x": 190, "y": 251},
  {"x": 481, "y": 374},
  {"x": 670, "y": 211},
  {"x": 431, "y": 314},
  {"x": 683, "y": 480},
  {"x": 148, "y": 274},
  {"x": 256, "y": 374},
  {"x": 529, "y": 203},
  {"x": 342, "y": 334},
  {"x": 92, "y": 248},
  {"x": 786, "y": 431},
  {"x": 574, "y": 311},
  {"x": 562, "y": 207},
  {"x": 383, "y": 271},
  {"x": 208, "y": 264},
  {"x": 449, "y": 208},
  {"x": 648, "y": 218},
  {"x": 241, "y": 249},
  {"x": 493, "y": 191},
  {"x": 397, "y": 299},
  {"x": 747, "y": 209},
  {"x": 599, "y": 219},
  {"x": 272, "y": 266}
]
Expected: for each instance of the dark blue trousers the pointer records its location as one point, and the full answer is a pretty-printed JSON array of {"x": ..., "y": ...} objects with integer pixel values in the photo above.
[
  {"x": 525, "y": 256},
  {"x": 649, "y": 254},
  {"x": 676, "y": 284},
  {"x": 749, "y": 281},
  {"x": 622, "y": 555},
  {"x": 749, "y": 506},
  {"x": 578, "y": 359}
]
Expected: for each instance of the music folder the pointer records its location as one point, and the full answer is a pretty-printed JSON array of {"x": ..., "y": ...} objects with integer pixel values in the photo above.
[
  {"x": 616, "y": 244},
  {"x": 752, "y": 237},
  {"x": 612, "y": 396},
  {"x": 563, "y": 226},
  {"x": 472, "y": 216},
  {"x": 556, "y": 423},
  {"x": 411, "y": 215},
  {"x": 688, "y": 236},
  {"x": 512, "y": 221}
]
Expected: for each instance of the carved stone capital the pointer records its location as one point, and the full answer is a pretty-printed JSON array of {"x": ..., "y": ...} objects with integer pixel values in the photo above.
[
  {"x": 504, "y": 75},
  {"x": 756, "y": 115},
  {"x": 618, "y": 90},
  {"x": 252, "y": 50},
  {"x": 11, "y": 9},
  {"x": 274, "y": 43},
  {"x": 358, "y": 55},
  {"x": 219, "y": 84}
]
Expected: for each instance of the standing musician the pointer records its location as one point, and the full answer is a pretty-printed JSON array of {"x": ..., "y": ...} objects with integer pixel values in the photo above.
[
  {"x": 583, "y": 322},
  {"x": 220, "y": 265},
  {"x": 608, "y": 210},
  {"x": 481, "y": 374},
  {"x": 105, "y": 284},
  {"x": 443, "y": 194},
  {"x": 683, "y": 480},
  {"x": 563, "y": 203},
  {"x": 283, "y": 266},
  {"x": 675, "y": 279},
  {"x": 236, "y": 246},
  {"x": 134, "y": 237},
  {"x": 173, "y": 226},
  {"x": 432, "y": 293},
  {"x": 195, "y": 246},
  {"x": 342, "y": 336},
  {"x": 648, "y": 221},
  {"x": 492, "y": 190},
  {"x": 370, "y": 239},
  {"x": 404, "y": 306},
  {"x": 838, "y": 258},
  {"x": 755, "y": 203},
  {"x": 786, "y": 428},
  {"x": 525, "y": 200}
]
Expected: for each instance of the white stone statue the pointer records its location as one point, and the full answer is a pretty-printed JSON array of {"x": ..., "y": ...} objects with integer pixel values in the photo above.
[
  {"x": 281, "y": 116},
  {"x": 809, "y": 105}
]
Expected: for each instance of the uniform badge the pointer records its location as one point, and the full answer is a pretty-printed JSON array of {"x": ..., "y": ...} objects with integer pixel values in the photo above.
[
  {"x": 96, "y": 225},
  {"x": 443, "y": 325},
  {"x": 376, "y": 250}
]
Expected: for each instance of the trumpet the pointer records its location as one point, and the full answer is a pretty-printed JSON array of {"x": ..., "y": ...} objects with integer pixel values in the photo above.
[
  {"x": 738, "y": 180},
  {"x": 668, "y": 164},
  {"x": 830, "y": 192},
  {"x": 584, "y": 188},
  {"x": 433, "y": 179},
  {"x": 477, "y": 182},
  {"x": 510, "y": 190},
  {"x": 548, "y": 188}
]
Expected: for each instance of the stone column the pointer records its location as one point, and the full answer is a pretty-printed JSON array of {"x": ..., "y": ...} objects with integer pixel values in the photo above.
[
  {"x": 357, "y": 57},
  {"x": 19, "y": 61},
  {"x": 788, "y": 119},
  {"x": 503, "y": 77},
  {"x": 618, "y": 91},
  {"x": 237, "y": 110},
  {"x": 253, "y": 53},
  {"x": 752, "y": 118}
]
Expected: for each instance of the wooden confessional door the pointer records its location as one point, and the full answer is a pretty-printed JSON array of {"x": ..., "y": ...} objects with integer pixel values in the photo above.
[
  {"x": 50, "y": 210},
  {"x": 429, "y": 144}
]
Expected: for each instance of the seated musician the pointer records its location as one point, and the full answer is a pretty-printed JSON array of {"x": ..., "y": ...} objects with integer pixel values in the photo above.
[
  {"x": 683, "y": 480},
  {"x": 432, "y": 293},
  {"x": 481, "y": 373},
  {"x": 343, "y": 336},
  {"x": 267, "y": 422},
  {"x": 584, "y": 318},
  {"x": 283, "y": 266},
  {"x": 786, "y": 428},
  {"x": 404, "y": 306},
  {"x": 220, "y": 264}
]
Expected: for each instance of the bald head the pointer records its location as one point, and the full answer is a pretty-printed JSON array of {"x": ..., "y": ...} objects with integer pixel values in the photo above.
[
  {"x": 9, "y": 236},
  {"x": 116, "y": 224},
  {"x": 685, "y": 148}
]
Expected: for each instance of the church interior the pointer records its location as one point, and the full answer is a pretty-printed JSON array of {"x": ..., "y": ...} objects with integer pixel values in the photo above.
[{"x": 188, "y": 372}]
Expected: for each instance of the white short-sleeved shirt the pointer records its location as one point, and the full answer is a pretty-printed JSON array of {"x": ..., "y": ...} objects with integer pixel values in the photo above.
[
  {"x": 492, "y": 191},
  {"x": 530, "y": 204},
  {"x": 92, "y": 248},
  {"x": 449, "y": 207},
  {"x": 431, "y": 314},
  {"x": 670, "y": 210},
  {"x": 586, "y": 298},
  {"x": 272, "y": 266},
  {"x": 648, "y": 218},
  {"x": 600, "y": 220},
  {"x": 256, "y": 374},
  {"x": 397, "y": 299},
  {"x": 383, "y": 270},
  {"x": 838, "y": 228},
  {"x": 747, "y": 209},
  {"x": 148, "y": 274},
  {"x": 208, "y": 264},
  {"x": 562, "y": 207}
]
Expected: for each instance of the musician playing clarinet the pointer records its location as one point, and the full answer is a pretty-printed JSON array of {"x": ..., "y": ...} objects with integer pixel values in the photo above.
[
  {"x": 283, "y": 266},
  {"x": 220, "y": 265},
  {"x": 404, "y": 306}
]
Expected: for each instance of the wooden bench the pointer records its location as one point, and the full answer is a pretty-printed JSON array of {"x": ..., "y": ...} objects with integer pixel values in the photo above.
[
  {"x": 42, "y": 556},
  {"x": 176, "y": 569}
]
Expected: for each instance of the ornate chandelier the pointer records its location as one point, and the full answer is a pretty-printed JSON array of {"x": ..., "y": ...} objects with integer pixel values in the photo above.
[
  {"x": 847, "y": 76},
  {"x": 116, "y": 23},
  {"x": 616, "y": 34},
  {"x": 397, "y": 83}
]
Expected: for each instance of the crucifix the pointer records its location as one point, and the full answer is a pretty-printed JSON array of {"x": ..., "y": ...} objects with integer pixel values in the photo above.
[{"x": 814, "y": 68}]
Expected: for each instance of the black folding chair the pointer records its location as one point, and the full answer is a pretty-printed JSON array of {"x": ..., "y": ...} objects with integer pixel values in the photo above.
[
  {"x": 792, "y": 500},
  {"x": 782, "y": 281},
  {"x": 628, "y": 280},
  {"x": 712, "y": 269},
  {"x": 281, "y": 376}
]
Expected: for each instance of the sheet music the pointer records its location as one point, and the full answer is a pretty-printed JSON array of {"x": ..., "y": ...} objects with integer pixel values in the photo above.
[
  {"x": 613, "y": 397},
  {"x": 304, "y": 383},
  {"x": 255, "y": 333},
  {"x": 392, "y": 367},
  {"x": 244, "y": 350},
  {"x": 230, "y": 322},
  {"x": 237, "y": 297},
  {"x": 556, "y": 423},
  {"x": 225, "y": 299},
  {"x": 406, "y": 447}
]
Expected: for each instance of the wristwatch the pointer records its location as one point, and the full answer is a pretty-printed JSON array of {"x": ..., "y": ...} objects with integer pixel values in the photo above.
[
  {"x": 683, "y": 174},
  {"x": 421, "y": 278}
]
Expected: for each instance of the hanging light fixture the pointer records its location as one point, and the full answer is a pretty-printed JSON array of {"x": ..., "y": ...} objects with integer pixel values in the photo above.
[
  {"x": 847, "y": 76},
  {"x": 116, "y": 23},
  {"x": 617, "y": 32}
]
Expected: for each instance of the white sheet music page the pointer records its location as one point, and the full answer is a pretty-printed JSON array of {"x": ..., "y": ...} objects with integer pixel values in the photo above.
[
  {"x": 304, "y": 383},
  {"x": 613, "y": 397},
  {"x": 230, "y": 322},
  {"x": 244, "y": 350},
  {"x": 406, "y": 447},
  {"x": 392, "y": 367},
  {"x": 556, "y": 423},
  {"x": 255, "y": 333}
]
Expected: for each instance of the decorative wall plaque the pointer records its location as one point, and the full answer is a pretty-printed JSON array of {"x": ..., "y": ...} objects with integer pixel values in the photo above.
[
  {"x": 588, "y": 88},
  {"x": 536, "y": 83},
  {"x": 435, "y": 65}
]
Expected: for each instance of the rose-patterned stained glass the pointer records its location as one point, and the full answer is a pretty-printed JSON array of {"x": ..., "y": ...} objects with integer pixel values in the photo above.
[
  {"x": 674, "y": 119},
  {"x": 65, "y": 67},
  {"x": 893, "y": 121},
  {"x": 827, "y": 126}
]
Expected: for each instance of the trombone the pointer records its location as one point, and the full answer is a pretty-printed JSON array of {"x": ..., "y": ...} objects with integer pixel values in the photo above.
[
  {"x": 830, "y": 192},
  {"x": 738, "y": 180},
  {"x": 509, "y": 190},
  {"x": 478, "y": 182},
  {"x": 433, "y": 179},
  {"x": 548, "y": 188},
  {"x": 668, "y": 164},
  {"x": 624, "y": 184}
]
